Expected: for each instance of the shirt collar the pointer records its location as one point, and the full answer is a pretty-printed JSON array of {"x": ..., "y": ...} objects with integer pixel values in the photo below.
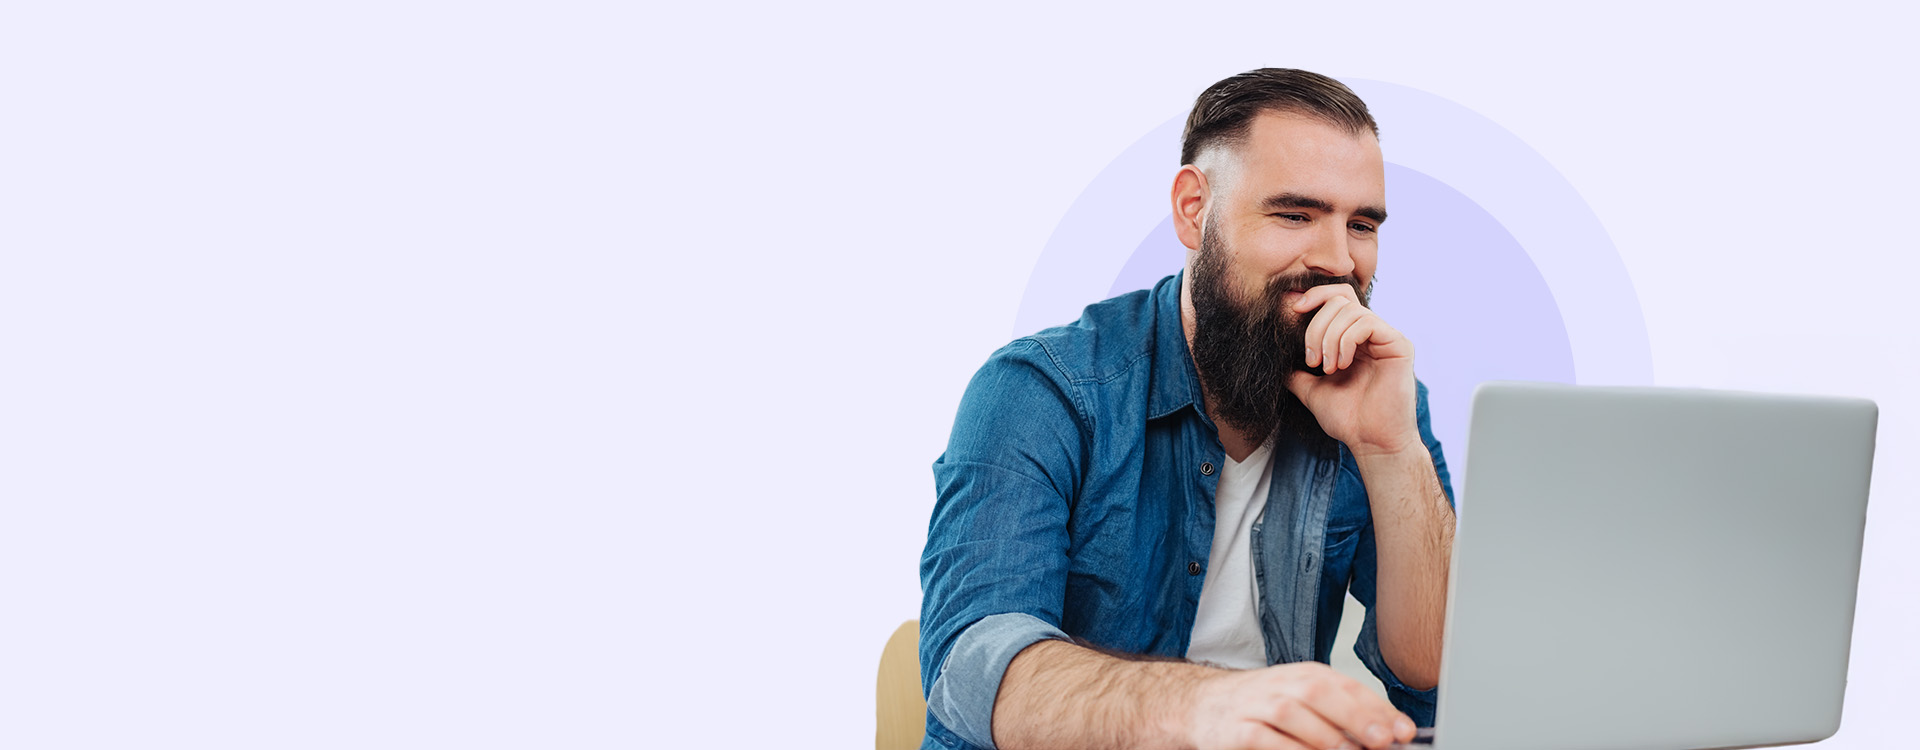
[{"x": 1175, "y": 381}]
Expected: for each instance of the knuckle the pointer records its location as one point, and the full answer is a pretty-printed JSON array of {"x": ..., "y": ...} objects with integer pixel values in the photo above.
[{"x": 1285, "y": 709}]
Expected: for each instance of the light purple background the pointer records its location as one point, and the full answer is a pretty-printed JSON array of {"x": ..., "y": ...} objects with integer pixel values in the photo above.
[{"x": 416, "y": 374}]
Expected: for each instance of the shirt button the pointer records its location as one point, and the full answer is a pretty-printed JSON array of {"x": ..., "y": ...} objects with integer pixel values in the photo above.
[
  {"x": 1193, "y": 568},
  {"x": 1206, "y": 468}
]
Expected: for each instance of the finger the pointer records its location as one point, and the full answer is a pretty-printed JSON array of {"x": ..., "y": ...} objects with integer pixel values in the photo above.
[
  {"x": 1364, "y": 329},
  {"x": 1358, "y": 712},
  {"x": 1381, "y": 340},
  {"x": 1336, "y": 328},
  {"x": 1403, "y": 729},
  {"x": 1319, "y": 295},
  {"x": 1263, "y": 737},
  {"x": 1317, "y": 329},
  {"x": 1302, "y": 383},
  {"x": 1294, "y": 717}
]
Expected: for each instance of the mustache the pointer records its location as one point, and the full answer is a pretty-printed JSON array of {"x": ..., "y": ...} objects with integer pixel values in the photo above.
[{"x": 1299, "y": 282}]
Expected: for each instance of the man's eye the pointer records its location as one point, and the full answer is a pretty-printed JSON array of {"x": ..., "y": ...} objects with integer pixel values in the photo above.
[
  {"x": 1295, "y": 218},
  {"x": 1361, "y": 228}
]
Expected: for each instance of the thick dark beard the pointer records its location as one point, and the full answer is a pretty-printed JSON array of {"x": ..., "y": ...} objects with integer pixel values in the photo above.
[{"x": 1245, "y": 350}]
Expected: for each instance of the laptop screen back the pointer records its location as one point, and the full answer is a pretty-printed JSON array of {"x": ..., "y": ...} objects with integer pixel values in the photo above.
[{"x": 1653, "y": 568}]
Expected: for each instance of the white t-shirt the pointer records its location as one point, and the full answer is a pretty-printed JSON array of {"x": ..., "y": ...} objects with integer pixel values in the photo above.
[{"x": 1226, "y": 630}]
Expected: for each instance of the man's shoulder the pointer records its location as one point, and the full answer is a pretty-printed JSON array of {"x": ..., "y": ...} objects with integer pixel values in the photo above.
[{"x": 1110, "y": 337}]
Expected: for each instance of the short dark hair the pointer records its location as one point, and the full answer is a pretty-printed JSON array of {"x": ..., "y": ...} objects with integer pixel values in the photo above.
[{"x": 1225, "y": 111}]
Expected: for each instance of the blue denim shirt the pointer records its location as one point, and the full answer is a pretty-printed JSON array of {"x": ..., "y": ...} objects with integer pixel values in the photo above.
[{"x": 1076, "y": 497}]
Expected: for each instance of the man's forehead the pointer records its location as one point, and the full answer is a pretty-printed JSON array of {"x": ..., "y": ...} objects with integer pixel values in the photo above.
[{"x": 1300, "y": 153}]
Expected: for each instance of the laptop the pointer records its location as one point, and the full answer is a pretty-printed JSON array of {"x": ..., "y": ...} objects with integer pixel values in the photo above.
[{"x": 1652, "y": 569}]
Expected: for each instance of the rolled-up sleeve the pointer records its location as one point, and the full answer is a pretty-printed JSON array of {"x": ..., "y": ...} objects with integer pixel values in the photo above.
[
  {"x": 993, "y": 574},
  {"x": 1418, "y": 704}
]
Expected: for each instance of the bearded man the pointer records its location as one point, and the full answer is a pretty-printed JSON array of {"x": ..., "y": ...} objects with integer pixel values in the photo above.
[{"x": 1147, "y": 521}]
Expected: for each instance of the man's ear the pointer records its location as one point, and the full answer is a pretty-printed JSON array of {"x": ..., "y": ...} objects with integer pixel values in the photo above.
[{"x": 1190, "y": 196}]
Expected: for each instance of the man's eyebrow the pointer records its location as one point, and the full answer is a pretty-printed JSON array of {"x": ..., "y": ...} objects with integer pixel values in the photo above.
[{"x": 1296, "y": 200}]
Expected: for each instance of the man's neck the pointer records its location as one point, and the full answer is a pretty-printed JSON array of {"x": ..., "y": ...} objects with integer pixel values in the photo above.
[{"x": 1238, "y": 444}]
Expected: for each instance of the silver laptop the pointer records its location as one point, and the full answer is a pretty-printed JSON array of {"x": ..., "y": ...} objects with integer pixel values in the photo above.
[{"x": 1642, "y": 568}]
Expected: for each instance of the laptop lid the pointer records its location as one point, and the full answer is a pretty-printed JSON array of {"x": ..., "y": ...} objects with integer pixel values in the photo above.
[{"x": 1653, "y": 568}]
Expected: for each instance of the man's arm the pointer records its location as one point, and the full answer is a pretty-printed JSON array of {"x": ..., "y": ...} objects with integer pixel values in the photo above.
[
  {"x": 1057, "y": 694},
  {"x": 1368, "y": 400},
  {"x": 1413, "y": 528}
]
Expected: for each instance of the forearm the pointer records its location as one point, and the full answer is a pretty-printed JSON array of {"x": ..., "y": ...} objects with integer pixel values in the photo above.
[
  {"x": 1413, "y": 533},
  {"x": 1059, "y": 695}
]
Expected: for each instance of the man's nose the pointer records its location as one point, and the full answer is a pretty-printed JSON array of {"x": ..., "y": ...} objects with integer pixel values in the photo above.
[{"x": 1332, "y": 253}]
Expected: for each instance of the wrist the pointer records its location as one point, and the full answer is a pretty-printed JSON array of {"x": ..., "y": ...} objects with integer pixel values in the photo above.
[
  {"x": 1182, "y": 724},
  {"x": 1401, "y": 447}
]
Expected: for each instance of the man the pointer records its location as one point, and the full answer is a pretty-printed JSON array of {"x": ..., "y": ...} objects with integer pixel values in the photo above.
[{"x": 1140, "y": 512}]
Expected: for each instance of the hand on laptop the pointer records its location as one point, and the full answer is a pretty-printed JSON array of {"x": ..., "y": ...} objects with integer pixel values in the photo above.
[{"x": 1298, "y": 706}]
